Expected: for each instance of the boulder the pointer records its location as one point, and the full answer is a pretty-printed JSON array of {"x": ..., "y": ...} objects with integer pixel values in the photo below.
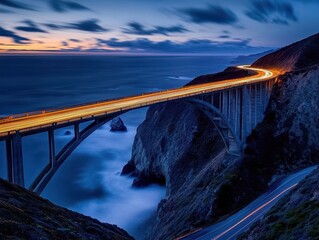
[
  {"x": 68, "y": 133},
  {"x": 117, "y": 125}
]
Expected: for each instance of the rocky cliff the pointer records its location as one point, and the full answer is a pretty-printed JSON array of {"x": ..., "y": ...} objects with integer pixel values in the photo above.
[
  {"x": 25, "y": 215},
  {"x": 177, "y": 145},
  {"x": 296, "y": 216}
]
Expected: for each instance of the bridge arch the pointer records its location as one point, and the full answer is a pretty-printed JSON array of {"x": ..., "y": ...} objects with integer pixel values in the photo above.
[
  {"x": 56, "y": 160},
  {"x": 226, "y": 131}
]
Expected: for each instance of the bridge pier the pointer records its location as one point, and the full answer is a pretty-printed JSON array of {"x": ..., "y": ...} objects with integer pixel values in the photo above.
[
  {"x": 15, "y": 160},
  {"x": 52, "y": 157},
  {"x": 9, "y": 160}
]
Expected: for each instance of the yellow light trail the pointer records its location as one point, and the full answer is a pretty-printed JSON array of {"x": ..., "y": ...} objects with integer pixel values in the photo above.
[{"x": 12, "y": 124}]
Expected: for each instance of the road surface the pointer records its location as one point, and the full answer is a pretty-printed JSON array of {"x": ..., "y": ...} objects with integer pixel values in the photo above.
[
  {"x": 238, "y": 223},
  {"x": 24, "y": 122}
]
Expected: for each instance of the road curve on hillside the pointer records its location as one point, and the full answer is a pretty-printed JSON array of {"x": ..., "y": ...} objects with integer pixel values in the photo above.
[
  {"x": 233, "y": 226},
  {"x": 23, "y": 122}
]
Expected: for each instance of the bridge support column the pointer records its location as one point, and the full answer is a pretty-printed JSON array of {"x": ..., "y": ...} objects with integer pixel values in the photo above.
[
  {"x": 15, "y": 160},
  {"x": 9, "y": 161},
  {"x": 238, "y": 113},
  {"x": 246, "y": 113},
  {"x": 232, "y": 105},
  {"x": 76, "y": 131},
  {"x": 225, "y": 105},
  {"x": 51, "y": 147},
  {"x": 259, "y": 103}
]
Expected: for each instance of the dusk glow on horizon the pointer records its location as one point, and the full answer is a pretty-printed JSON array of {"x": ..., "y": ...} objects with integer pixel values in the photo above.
[{"x": 153, "y": 27}]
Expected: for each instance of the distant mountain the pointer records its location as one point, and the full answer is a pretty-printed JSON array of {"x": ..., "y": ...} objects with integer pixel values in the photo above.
[
  {"x": 304, "y": 53},
  {"x": 248, "y": 59}
]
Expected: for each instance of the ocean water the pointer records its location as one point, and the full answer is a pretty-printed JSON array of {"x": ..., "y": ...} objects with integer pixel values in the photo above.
[{"x": 89, "y": 181}]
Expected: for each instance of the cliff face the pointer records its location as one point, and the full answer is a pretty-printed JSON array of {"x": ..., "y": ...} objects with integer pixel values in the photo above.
[
  {"x": 177, "y": 144},
  {"x": 284, "y": 141},
  {"x": 296, "y": 56},
  {"x": 296, "y": 216},
  {"x": 25, "y": 215}
]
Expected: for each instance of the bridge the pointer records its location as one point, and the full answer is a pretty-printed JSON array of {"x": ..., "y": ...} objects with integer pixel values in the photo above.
[{"x": 234, "y": 106}]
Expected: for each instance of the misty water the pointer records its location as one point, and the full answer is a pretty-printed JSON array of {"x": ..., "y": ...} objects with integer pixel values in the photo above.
[{"x": 89, "y": 181}]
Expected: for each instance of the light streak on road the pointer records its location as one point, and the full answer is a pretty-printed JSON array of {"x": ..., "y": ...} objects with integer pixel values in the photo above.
[
  {"x": 234, "y": 225},
  {"x": 255, "y": 211},
  {"x": 25, "y": 122}
]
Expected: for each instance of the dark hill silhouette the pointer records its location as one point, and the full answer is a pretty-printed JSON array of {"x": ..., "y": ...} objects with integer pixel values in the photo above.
[{"x": 302, "y": 54}]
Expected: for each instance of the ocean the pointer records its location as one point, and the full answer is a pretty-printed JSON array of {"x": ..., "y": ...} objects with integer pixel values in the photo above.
[{"x": 89, "y": 181}]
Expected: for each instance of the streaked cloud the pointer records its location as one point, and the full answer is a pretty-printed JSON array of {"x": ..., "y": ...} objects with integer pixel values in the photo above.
[
  {"x": 66, "y": 6},
  {"x": 90, "y": 25},
  {"x": 15, "y": 37},
  {"x": 270, "y": 11},
  {"x": 201, "y": 46},
  {"x": 210, "y": 14},
  {"x": 30, "y": 27},
  {"x": 139, "y": 29},
  {"x": 16, "y": 5},
  {"x": 75, "y": 40}
]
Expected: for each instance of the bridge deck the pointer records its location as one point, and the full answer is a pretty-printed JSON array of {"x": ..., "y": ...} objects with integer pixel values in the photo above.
[{"x": 10, "y": 125}]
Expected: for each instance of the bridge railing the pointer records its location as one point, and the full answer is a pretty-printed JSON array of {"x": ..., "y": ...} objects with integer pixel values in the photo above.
[{"x": 37, "y": 112}]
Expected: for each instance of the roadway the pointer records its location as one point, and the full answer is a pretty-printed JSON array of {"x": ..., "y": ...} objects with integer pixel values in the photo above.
[
  {"x": 233, "y": 226},
  {"x": 24, "y": 122}
]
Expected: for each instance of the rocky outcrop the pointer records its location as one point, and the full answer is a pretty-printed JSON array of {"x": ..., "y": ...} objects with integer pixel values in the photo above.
[
  {"x": 25, "y": 215},
  {"x": 296, "y": 56},
  {"x": 177, "y": 144},
  {"x": 228, "y": 73},
  {"x": 68, "y": 133},
  {"x": 189, "y": 156},
  {"x": 296, "y": 216},
  {"x": 117, "y": 125}
]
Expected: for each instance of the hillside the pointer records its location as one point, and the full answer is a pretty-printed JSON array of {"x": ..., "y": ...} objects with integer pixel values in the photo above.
[
  {"x": 296, "y": 216},
  {"x": 296, "y": 56},
  {"x": 25, "y": 215}
]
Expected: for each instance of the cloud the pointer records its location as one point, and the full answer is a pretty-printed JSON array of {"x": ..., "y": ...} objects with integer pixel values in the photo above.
[
  {"x": 16, "y": 38},
  {"x": 64, "y": 43},
  {"x": 30, "y": 27},
  {"x": 269, "y": 11},
  {"x": 66, "y": 5},
  {"x": 75, "y": 40},
  {"x": 90, "y": 25},
  {"x": 202, "y": 46},
  {"x": 16, "y": 4},
  {"x": 224, "y": 36},
  {"x": 210, "y": 14},
  {"x": 5, "y": 11},
  {"x": 139, "y": 29}
]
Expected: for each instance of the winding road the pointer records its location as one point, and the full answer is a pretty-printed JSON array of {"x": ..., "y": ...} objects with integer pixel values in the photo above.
[
  {"x": 36, "y": 120},
  {"x": 238, "y": 223}
]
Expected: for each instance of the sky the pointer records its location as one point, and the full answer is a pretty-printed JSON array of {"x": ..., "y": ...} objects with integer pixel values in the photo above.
[{"x": 208, "y": 27}]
